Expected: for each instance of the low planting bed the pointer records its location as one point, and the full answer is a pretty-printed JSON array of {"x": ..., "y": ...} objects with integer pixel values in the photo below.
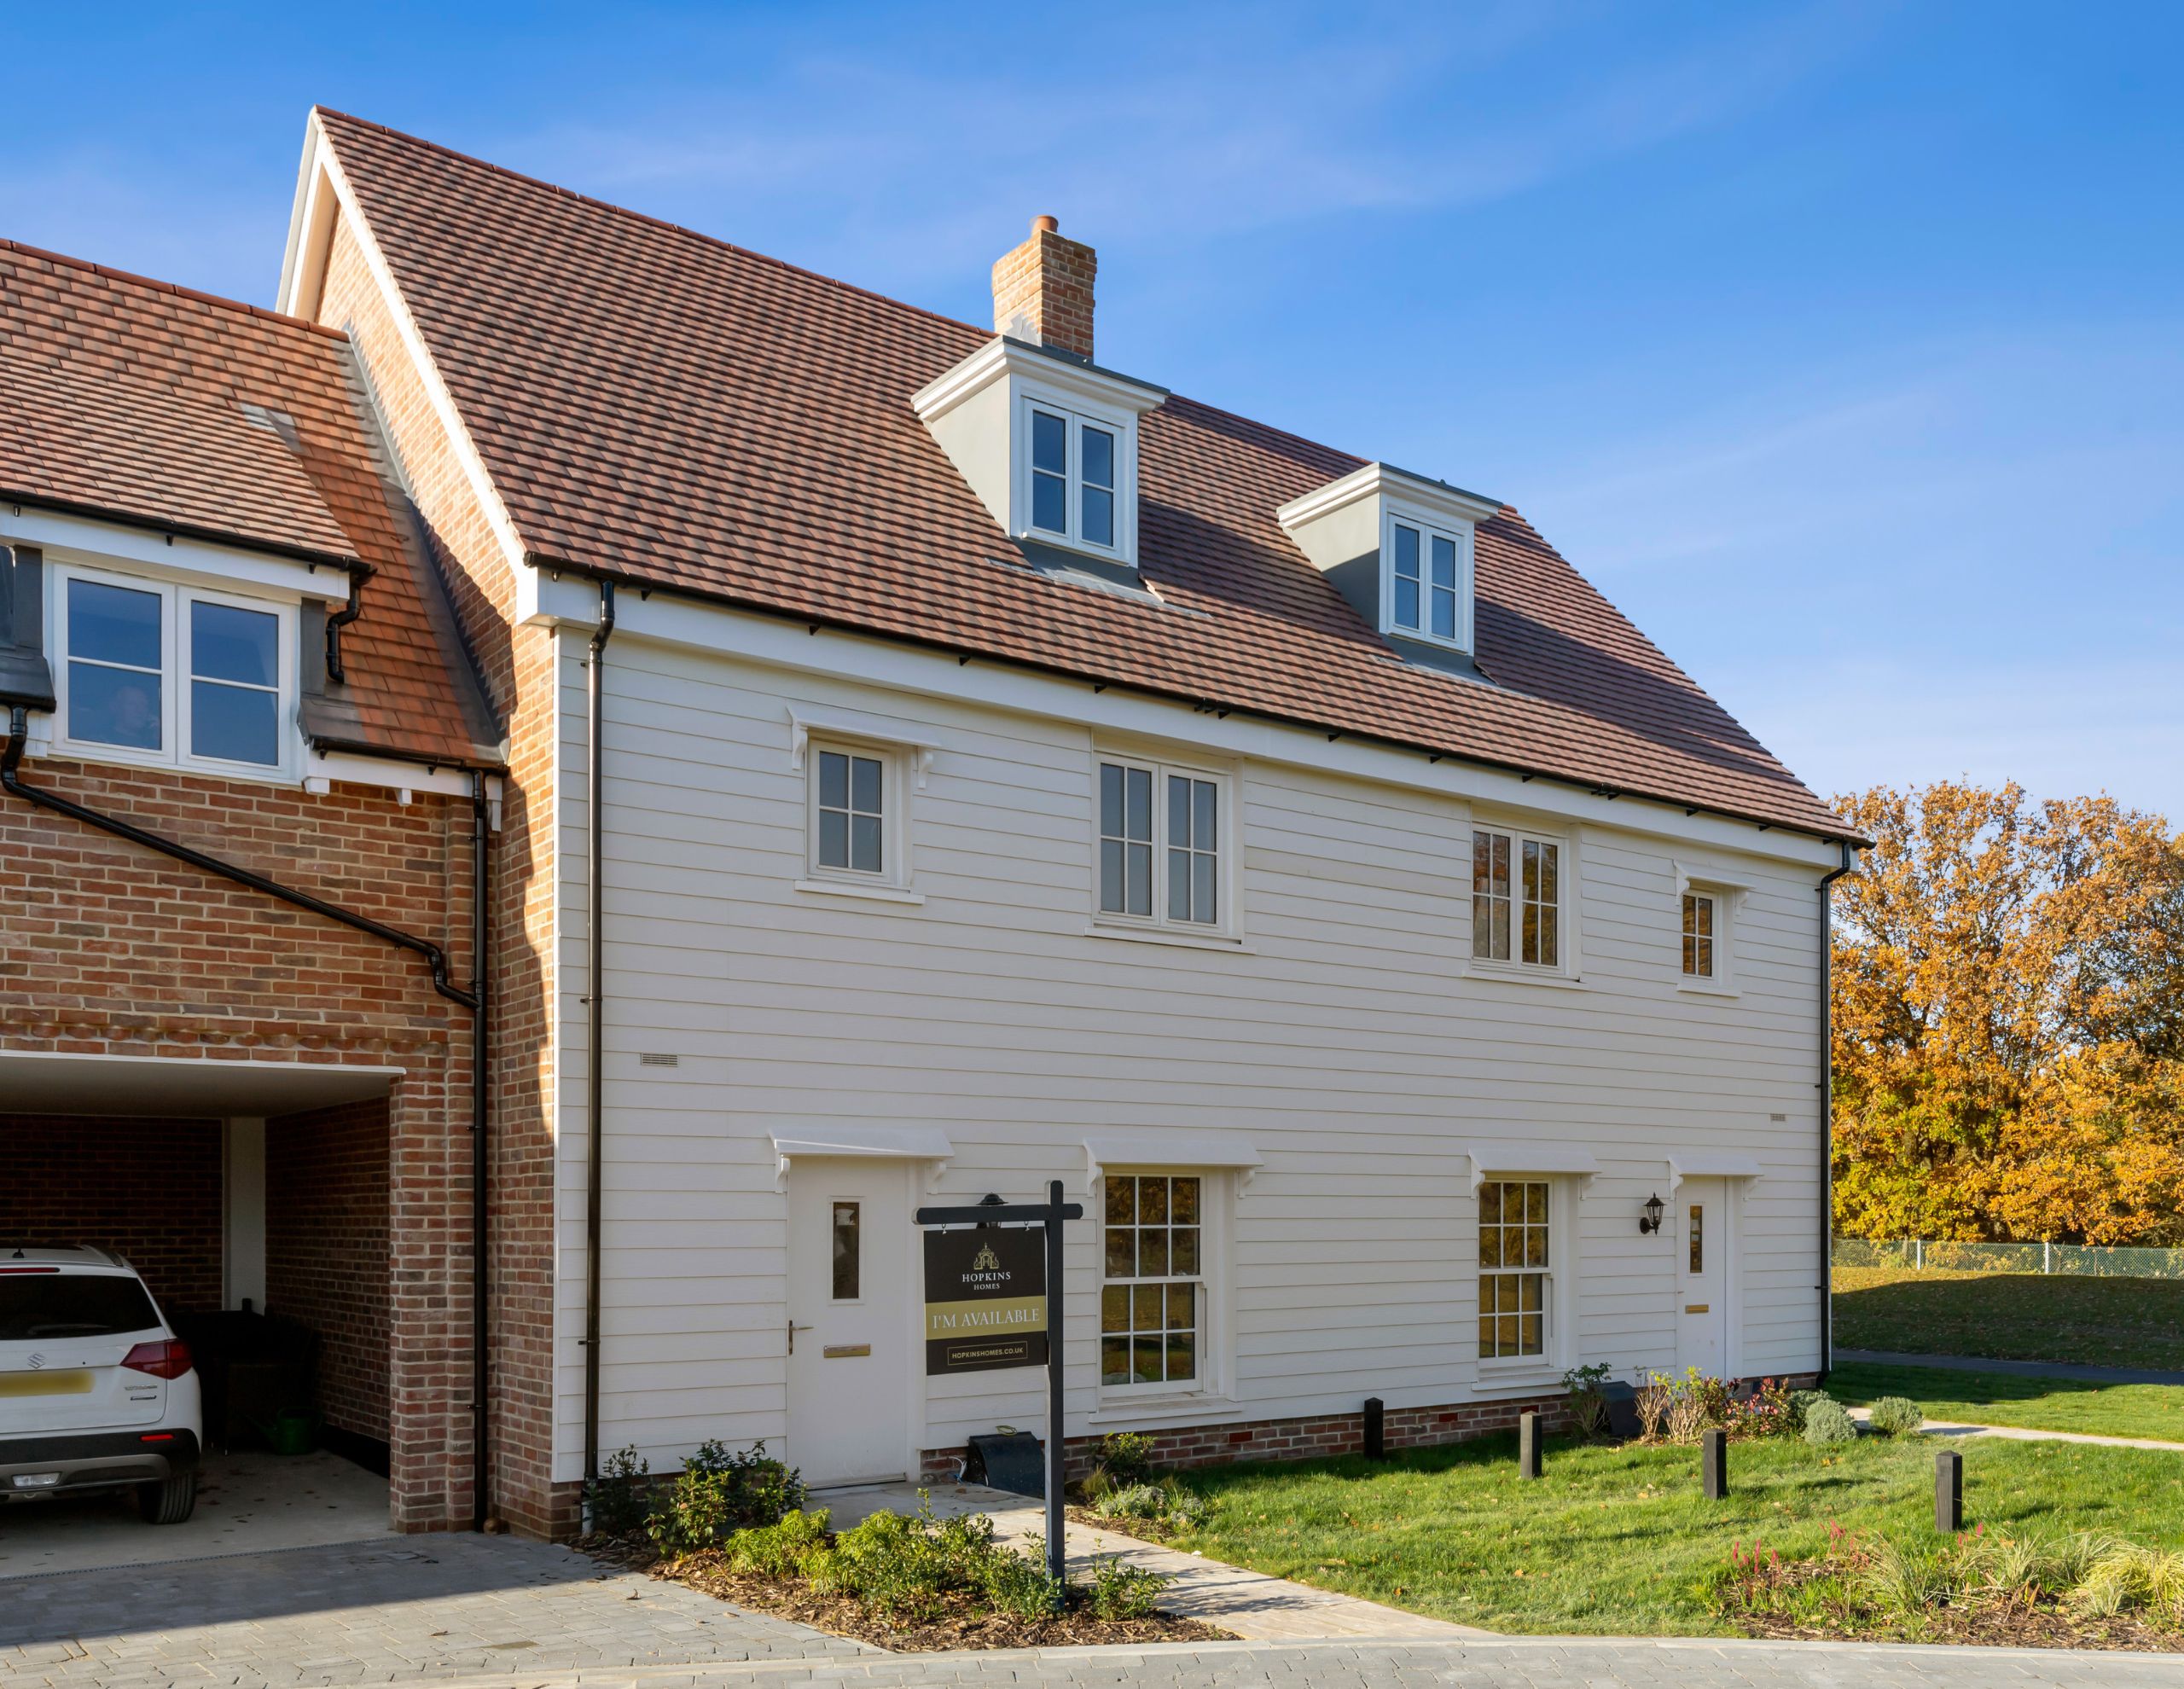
[{"x": 734, "y": 1526}]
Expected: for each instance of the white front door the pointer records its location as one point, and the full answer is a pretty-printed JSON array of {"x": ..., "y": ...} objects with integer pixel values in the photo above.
[
  {"x": 850, "y": 1273},
  {"x": 1702, "y": 1275}
]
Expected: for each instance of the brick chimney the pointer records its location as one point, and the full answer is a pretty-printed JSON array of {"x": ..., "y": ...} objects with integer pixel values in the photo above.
[{"x": 1042, "y": 291}]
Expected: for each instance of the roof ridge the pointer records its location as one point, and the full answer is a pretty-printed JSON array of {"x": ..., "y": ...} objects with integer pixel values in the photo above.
[
  {"x": 220, "y": 300},
  {"x": 599, "y": 204}
]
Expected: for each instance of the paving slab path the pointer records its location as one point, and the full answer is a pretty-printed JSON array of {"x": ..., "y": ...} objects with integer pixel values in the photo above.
[
  {"x": 1247, "y": 1603},
  {"x": 2022, "y": 1369},
  {"x": 1501, "y": 1663}
]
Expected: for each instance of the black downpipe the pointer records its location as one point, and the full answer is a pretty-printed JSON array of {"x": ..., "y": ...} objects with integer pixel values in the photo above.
[
  {"x": 341, "y": 618},
  {"x": 1827, "y": 1111},
  {"x": 594, "y": 1039},
  {"x": 481, "y": 1163},
  {"x": 472, "y": 1000}
]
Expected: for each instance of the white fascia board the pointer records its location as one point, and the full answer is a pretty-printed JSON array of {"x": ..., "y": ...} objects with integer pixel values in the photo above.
[
  {"x": 83, "y": 539},
  {"x": 390, "y": 774},
  {"x": 310, "y": 227},
  {"x": 872, "y": 660},
  {"x": 413, "y": 340},
  {"x": 1377, "y": 480},
  {"x": 1003, "y": 356}
]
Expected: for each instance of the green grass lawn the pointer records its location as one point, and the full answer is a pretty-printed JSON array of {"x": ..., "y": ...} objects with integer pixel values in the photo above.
[
  {"x": 1999, "y": 1399},
  {"x": 1618, "y": 1540},
  {"x": 2012, "y": 1316}
]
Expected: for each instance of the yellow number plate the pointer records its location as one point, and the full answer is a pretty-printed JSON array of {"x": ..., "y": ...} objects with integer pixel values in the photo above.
[{"x": 77, "y": 1383}]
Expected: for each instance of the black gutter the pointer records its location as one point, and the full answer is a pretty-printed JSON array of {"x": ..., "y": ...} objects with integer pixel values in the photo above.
[
  {"x": 435, "y": 958},
  {"x": 595, "y": 1034},
  {"x": 1827, "y": 1110},
  {"x": 195, "y": 531},
  {"x": 481, "y": 1463},
  {"x": 815, "y": 620}
]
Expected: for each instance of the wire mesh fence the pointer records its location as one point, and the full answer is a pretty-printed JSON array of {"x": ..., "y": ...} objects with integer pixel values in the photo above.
[{"x": 1927, "y": 1255}]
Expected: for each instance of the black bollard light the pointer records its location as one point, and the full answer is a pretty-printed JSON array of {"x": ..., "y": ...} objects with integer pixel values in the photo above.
[
  {"x": 1529, "y": 1462},
  {"x": 1949, "y": 1492},
  {"x": 1376, "y": 1429},
  {"x": 1714, "y": 1463}
]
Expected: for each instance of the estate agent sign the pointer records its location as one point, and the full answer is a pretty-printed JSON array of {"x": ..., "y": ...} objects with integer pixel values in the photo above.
[{"x": 985, "y": 1299}]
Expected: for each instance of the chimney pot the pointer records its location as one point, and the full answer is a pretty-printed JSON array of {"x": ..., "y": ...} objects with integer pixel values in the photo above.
[{"x": 1043, "y": 290}]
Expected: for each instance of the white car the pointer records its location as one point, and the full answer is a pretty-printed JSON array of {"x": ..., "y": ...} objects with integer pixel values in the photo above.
[{"x": 96, "y": 1392}]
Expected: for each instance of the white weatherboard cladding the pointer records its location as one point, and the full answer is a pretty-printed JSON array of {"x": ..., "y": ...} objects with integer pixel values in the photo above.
[{"x": 1346, "y": 1044}]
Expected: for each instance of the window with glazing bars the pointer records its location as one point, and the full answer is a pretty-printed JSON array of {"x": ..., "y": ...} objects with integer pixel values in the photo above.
[
  {"x": 851, "y": 811},
  {"x": 1516, "y": 898},
  {"x": 1699, "y": 935},
  {"x": 1153, "y": 1276},
  {"x": 1513, "y": 1267},
  {"x": 1140, "y": 805}
]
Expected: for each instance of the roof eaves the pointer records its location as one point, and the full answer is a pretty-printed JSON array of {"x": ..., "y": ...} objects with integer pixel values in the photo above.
[
  {"x": 348, "y": 562},
  {"x": 1432, "y": 753}
]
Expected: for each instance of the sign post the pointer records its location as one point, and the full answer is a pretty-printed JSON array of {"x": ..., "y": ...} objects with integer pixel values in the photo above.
[{"x": 993, "y": 1300}]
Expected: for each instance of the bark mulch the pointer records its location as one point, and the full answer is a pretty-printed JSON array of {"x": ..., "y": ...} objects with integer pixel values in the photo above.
[{"x": 963, "y": 1627}]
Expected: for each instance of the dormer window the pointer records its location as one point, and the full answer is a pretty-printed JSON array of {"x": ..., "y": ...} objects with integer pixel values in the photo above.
[
  {"x": 1399, "y": 548},
  {"x": 1044, "y": 437},
  {"x": 1429, "y": 582},
  {"x": 1074, "y": 464}
]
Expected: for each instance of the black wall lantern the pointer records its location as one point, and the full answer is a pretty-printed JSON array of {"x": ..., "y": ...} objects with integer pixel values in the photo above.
[{"x": 1650, "y": 1221}]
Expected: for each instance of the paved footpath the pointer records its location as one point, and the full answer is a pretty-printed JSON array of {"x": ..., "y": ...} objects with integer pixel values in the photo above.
[
  {"x": 399, "y": 1609},
  {"x": 1541, "y": 1663},
  {"x": 2021, "y": 1369}
]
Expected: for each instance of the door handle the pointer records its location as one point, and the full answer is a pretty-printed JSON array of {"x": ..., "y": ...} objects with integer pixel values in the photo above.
[{"x": 793, "y": 1328}]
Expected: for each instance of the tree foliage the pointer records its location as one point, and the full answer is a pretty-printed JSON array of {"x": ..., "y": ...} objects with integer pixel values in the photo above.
[{"x": 2009, "y": 1019}]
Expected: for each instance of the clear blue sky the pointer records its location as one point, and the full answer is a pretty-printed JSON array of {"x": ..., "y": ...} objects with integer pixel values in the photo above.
[{"x": 1842, "y": 344}]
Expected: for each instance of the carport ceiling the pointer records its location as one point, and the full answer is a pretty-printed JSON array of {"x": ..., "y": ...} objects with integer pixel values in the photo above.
[{"x": 181, "y": 1089}]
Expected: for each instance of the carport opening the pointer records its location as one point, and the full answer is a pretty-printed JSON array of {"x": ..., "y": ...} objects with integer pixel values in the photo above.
[{"x": 255, "y": 1204}]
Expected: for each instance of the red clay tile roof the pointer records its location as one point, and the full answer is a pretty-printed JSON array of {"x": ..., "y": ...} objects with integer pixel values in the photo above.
[
  {"x": 658, "y": 405},
  {"x": 133, "y": 400}
]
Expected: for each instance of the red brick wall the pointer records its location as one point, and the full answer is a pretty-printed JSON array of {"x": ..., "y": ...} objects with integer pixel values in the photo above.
[
  {"x": 326, "y": 1252},
  {"x": 114, "y": 950},
  {"x": 147, "y": 1189},
  {"x": 521, "y": 666}
]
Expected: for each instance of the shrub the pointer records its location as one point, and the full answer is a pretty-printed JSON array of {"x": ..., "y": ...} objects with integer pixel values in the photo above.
[
  {"x": 1588, "y": 1388},
  {"x": 1121, "y": 1592},
  {"x": 2126, "y": 1578},
  {"x": 1826, "y": 1422},
  {"x": 1801, "y": 1402},
  {"x": 1765, "y": 1412},
  {"x": 1139, "y": 1502},
  {"x": 1126, "y": 1458},
  {"x": 782, "y": 1549},
  {"x": 620, "y": 1497},
  {"x": 1894, "y": 1415},
  {"x": 719, "y": 1493},
  {"x": 1654, "y": 1400}
]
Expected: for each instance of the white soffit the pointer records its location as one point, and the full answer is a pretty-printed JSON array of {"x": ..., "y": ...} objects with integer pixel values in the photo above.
[
  {"x": 927, "y": 1144},
  {"x": 1223, "y": 1150},
  {"x": 1710, "y": 1164},
  {"x": 1495, "y": 1160}
]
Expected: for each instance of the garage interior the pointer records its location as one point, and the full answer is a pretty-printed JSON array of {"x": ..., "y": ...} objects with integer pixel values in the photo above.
[{"x": 254, "y": 1199}]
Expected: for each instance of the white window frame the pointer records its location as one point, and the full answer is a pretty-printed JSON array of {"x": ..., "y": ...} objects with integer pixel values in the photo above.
[
  {"x": 1729, "y": 898},
  {"x": 1461, "y": 535},
  {"x": 1565, "y": 967},
  {"x": 1558, "y": 1329},
  {"x": 175, "y": 691},
  {"x": 893, "y": 879},
  {"x": 1215, "y": 1276},
  {"x": 1123, "y": 425},
  {"x": 1224, "y": 928}
]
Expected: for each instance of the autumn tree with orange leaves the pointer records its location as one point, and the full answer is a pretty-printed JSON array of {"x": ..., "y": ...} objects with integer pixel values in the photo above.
[{"x": 2009, "y": 1020}]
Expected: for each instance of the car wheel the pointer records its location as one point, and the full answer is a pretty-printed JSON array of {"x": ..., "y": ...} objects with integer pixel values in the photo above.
[{"x": 171, "y": 1500}]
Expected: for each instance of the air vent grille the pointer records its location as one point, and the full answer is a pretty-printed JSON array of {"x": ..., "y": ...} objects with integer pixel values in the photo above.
[{"x": 659, "y": 1059}]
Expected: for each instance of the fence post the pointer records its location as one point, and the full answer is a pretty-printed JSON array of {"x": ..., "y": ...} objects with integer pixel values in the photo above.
[
  {"x": 1919, "y": 1264},
  {"x": 1528, "y": 1450},
  {"x": 1949, "y": 1492},
  {"x": 2046, "y": 1256},
  {"x": 1714, "y": 1463}
]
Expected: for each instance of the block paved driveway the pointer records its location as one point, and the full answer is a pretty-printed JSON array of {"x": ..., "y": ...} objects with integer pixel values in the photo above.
[{"x": 395, "y": 1609}]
